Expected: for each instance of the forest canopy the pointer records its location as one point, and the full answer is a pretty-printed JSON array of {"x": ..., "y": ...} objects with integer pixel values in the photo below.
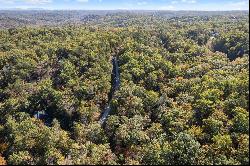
[{"x": 182, "y": 99}]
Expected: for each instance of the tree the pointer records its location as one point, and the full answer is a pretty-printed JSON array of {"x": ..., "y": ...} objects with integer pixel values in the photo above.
[{"x": 185, "y": 150}]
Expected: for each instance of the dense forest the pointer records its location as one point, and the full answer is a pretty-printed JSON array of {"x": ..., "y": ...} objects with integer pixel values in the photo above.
[{"x": 176, "y": 87}]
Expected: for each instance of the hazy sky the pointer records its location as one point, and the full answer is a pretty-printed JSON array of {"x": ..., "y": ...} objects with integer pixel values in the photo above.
[{"x": 128, "y": 4}]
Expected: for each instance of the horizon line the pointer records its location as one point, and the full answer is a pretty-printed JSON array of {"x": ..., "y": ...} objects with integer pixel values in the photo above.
[{"x": 116, "y": 9}]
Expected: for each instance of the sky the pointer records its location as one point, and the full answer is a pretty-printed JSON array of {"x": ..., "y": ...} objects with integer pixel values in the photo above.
[{"x": 207, "y": 5}]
